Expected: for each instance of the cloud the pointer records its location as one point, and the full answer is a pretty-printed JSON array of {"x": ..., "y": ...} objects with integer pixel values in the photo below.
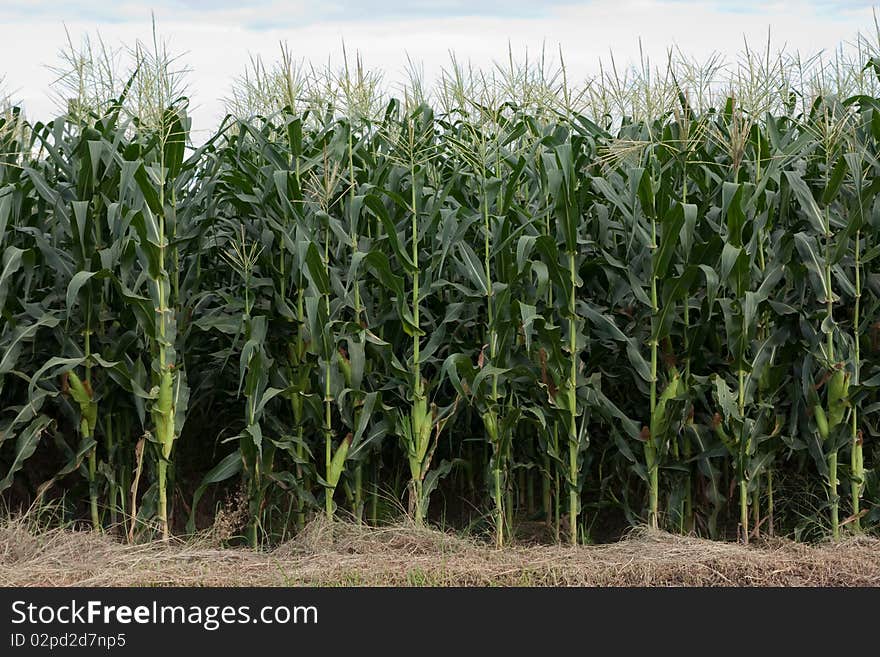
[{"x": 274, "y": 13}]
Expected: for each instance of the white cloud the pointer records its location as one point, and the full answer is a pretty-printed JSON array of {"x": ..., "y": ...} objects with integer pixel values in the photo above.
[{"x": 219, "y": 41}]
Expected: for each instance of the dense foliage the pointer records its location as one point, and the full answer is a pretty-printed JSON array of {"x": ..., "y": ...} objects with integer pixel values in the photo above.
[{"x": 489, "y": 307}]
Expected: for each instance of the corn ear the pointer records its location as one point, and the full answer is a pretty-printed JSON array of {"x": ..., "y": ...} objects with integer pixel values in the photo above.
[
  {"x": 838, "y": 393},
  {"x": 163, "y": 412},
  {"x": 337, "y": 463},
  {"x": 660, "y": 419},
  {"x": 490, "y": 422},
  {"x": 82, "y": 395},
  {"x": 821, "y": 421}
]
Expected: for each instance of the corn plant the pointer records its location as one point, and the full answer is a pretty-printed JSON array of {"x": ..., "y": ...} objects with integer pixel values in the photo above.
[{"x": 651, "y": 298}]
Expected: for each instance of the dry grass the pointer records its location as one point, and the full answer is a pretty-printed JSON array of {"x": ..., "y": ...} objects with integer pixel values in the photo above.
[{"x": 343, "y": 554}]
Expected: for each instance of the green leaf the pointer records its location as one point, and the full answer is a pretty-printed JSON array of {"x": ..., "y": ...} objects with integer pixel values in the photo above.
[
  {"x": 227, "y": 468},
  {"x": 671, "y": 226},
  {"x": 473, "y": 268},
  {"x": 25, "y": 446},
  {"x": 317, "y": 270},
  {"x": 378, "y": 208},
  {"x": 808, "y": 204},
  {"x": 77, "y": 282},
  {"x": 806, "y": 246},
  {"x": 12, "y": 262}
]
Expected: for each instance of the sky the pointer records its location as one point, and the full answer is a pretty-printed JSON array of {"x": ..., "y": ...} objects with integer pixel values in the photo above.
[{"x": 217, "y": 37}]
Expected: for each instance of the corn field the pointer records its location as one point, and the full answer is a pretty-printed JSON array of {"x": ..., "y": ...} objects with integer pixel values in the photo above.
[{"x": 653, "y": 298}]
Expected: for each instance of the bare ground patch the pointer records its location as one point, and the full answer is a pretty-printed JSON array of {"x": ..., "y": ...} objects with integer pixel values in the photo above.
[{"x": 344, "y": 554}]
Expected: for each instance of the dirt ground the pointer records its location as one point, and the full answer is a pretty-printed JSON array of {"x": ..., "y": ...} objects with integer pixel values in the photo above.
[{"x": 343, "y": 554}]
